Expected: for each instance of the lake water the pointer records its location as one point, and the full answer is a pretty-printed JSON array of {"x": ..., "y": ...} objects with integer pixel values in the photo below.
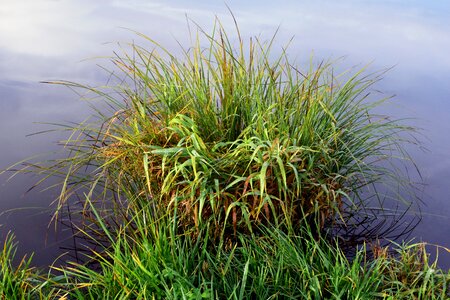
[{"x": 49, "y": 39}]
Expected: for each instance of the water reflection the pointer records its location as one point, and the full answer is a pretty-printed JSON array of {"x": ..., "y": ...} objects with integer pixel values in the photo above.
[{"x": 46, "y": 39}]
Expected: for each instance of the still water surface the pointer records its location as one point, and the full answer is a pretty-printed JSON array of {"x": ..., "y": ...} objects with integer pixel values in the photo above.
[{"x": 47, "y": 39}]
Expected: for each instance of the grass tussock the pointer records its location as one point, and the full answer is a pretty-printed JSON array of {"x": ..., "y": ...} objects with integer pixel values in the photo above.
[
  {"x": 214, "y": 175},
  {"x": 230, "y": 136}
]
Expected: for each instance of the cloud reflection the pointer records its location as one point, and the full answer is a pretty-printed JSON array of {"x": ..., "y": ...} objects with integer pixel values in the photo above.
[{"x": 366, "y": 29}]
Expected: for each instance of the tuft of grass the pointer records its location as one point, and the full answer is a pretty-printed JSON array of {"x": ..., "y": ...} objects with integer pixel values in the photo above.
[
  {"x": 214, "y": 174},
  {"x": 19, "y": 280},
  {"x": 15, "y": 281},
  {"x": 409, "y": 274},
  {"x": 229, "y": 136}
]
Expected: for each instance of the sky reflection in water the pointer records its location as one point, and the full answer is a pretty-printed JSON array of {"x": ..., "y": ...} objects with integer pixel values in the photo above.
[{"x": 48, "y": 39}]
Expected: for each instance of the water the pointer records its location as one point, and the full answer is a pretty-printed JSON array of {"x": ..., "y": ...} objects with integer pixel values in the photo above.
[{"x": 48, "y": 39}]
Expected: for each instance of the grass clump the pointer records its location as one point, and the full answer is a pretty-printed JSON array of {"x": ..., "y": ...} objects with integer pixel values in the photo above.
[
  {"x": 14, "y": 280},
  {"x": 230, "y": 137},
  {"x": 215, "y": 174},
  {"x": 20, "y": 280}
]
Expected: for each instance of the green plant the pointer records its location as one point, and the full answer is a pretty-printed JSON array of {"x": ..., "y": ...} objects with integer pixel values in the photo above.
[
  {"x": 19, "y": 280},
  {"x": 14, "y": 280},
  {"x": 153, "y": 262},
  {"x": 212, "y": 175},
  {"x": 410, "y": 275},
  {"x": 230, "y": 137}
]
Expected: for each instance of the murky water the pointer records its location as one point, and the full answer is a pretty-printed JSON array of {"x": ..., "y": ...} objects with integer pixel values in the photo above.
[{"x": 47, "y": 39}]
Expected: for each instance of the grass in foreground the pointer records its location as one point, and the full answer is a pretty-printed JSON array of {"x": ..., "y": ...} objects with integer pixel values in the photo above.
[
  {"x": 155, "y": 263},
  {"x": 14, "y": 281}
]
